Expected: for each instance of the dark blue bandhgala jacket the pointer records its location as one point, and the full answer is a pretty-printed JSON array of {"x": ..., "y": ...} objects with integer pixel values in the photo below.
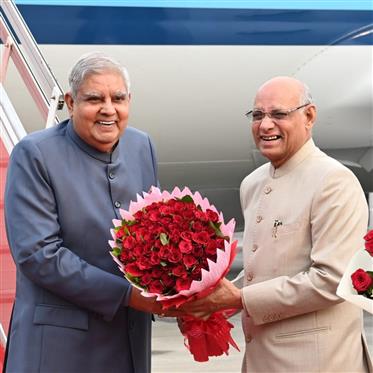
[{"x": 61, "y": 196}]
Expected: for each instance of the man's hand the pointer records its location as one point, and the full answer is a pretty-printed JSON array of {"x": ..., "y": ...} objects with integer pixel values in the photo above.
[
  {"x": 150, "y": 305},
  {"x": 224, "y": 296}
]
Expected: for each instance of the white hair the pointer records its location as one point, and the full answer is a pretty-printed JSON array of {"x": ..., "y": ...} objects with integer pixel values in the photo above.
[
  {"x": 94, "y": 63},
  {"x": 306, "y": 96}
]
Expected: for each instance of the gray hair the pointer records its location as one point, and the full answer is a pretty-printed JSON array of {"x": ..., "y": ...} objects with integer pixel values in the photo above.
[
  {"x": 306, "y": 96},
  {"x": 94, "y": 63}
]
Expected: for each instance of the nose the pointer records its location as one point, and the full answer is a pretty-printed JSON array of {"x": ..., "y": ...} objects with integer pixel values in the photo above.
[
  {"x": 267, "y": 122},
  {"x": 108, "y": 108}
]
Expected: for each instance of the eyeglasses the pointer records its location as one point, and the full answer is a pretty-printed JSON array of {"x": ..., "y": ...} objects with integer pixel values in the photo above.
[{"x": 277, "y": 115}]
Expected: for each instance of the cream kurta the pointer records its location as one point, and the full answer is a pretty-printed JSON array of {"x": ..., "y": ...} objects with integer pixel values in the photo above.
[{"x": 303, "y": 223}]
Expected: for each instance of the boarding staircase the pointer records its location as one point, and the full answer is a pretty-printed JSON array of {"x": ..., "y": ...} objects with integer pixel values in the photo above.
[{"x": 18, "y": 46}]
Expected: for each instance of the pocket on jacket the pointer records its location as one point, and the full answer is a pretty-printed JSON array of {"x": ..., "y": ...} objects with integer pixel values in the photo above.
[
  {"x": 302, "y": 333},
  {"x": 66, "y": 317}
]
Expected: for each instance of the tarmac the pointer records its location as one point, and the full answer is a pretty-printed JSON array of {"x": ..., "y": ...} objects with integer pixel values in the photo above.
[{"x": 169, "y": 355}]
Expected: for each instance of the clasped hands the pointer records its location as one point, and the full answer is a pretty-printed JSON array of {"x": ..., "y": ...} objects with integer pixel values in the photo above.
[{"x": 224, "y": 296}]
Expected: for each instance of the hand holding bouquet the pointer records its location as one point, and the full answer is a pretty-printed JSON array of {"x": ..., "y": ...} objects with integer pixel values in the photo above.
[
  {"x": 356, "y": 285},
  {"x": 173, "y": 246},
  {"x": 362, "y": 280}
]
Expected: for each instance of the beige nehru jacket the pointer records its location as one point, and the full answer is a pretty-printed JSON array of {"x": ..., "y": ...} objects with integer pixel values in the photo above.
[{"x": 303, "y": 223}]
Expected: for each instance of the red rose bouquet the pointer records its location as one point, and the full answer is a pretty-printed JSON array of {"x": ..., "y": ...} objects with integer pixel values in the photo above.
[
  {"x": 173, "y": 246},
  {"x": 356, "y": 285}
]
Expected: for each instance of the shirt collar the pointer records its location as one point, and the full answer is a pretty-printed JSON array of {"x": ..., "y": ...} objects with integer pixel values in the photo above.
[
  {"x": 90, "y": 150},
  {"x": 308, "y": 148}
]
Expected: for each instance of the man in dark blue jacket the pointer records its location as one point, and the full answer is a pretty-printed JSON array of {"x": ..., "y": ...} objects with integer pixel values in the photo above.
[{"x": 74, "y": 311}]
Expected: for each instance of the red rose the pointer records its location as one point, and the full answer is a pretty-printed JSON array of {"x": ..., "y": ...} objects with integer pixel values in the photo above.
[
  {"x": 179, "y": 271},
  {"x": 163, "y": 253},
  {"x": 361, "y": 280},
  {"x": 177, "y": 219},
  {"x": 144, "y": 263},
  {"x": 211, "y": 231},
  {"x": 165, "y": 210},
  {"x": 156, "y": 286},
  {"x": 187, "y": 236},
  {"x": 220, "y": 243},
  {"x": 154, "y": 215},
  {"x": 133, "y": 269},
  {"x": 196, "y": 273},
  {"x": 147, "y": 248},
  {"x": 166, "y": 221},
  {"x": 156, "y": 273},
  {"x": 138, "y": 215},
  {"x": 171, "y": 202},
  {"x": 175, "y": 235},
  {"x": 178, "y": 206},
  {"x": 369, "y": 242},
  {"x": 204, "y": 263},
  {"x": 188, "y": 214},
  {"x": 146, "y": 279},
  {"x": 211, "y": 247},
  {"x": 119, "y": 233},
  {"x": 212, "y": 215},
  {"x": 129, "y": 242},
  {"x": 183, "y": 284},
  {"x": 201, "y": 237},
  {"x": 125, "y": 256},
  {"x": 175, "y": 255},
  {"x": 152, "y": 206},
  {"x": 168, "y": 281},
  {"x": 146, "y": 237},
  {"x": 198, "y": 251},
  {"x": 137, "y": 251},
  {"x": 154, "y": 258},
  {"x": 189, "y": 260},
  {"x": 200, "y": 215},
  {"x": 139, "y": 234},
  {"x": 185, "y": 247},
  {"x": 198, "y": 226}
]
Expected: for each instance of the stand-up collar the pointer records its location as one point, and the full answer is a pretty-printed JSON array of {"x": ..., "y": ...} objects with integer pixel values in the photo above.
[
  {"x": 308, "y": 148},
  {"x": 93, "y": 152}
]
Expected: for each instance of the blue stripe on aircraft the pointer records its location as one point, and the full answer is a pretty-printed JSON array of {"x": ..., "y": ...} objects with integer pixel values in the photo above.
[
  {"x": 181, "y": 26},
  {"x": 218, "y": 4}
]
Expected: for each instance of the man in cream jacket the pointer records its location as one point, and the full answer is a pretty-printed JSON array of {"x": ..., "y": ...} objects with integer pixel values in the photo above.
[{"x": 305, "y": 216}]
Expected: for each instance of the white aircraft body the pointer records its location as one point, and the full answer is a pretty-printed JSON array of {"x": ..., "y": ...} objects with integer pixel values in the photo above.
[{"x": 195, "y": 67}]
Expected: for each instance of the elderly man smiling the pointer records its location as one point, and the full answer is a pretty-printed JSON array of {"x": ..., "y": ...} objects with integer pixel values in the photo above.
[
  {"x": 74, "y": 311},
  {"x": 305, "y": 216}
]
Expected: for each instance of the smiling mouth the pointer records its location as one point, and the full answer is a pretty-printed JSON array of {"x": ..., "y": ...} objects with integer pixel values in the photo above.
[
  {"x": 270, "y": 138},
  {"x": 105, "y": 122}
]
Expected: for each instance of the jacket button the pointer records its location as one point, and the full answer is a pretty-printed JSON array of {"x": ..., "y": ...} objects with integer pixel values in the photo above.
[
  {"x": 254, "y": 248},
  {"x": 267, "y": 189},
  {"x": 111, "y": 175},
  {"x": 250, "y": 276},
  {"x": 117, "y": 204},
  {"x": 259, "y": 219},
  {"x": 248, "y": 338}
]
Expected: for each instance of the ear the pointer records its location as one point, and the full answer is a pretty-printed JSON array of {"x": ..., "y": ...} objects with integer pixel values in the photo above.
[
  {"x": 311, "y": 116},
  {"x": 69, "y": 103},
  {"x": 129, "y": 97}
]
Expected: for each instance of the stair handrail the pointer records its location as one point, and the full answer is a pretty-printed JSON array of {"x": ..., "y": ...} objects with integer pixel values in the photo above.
[{"x": 30, "y": 62}]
